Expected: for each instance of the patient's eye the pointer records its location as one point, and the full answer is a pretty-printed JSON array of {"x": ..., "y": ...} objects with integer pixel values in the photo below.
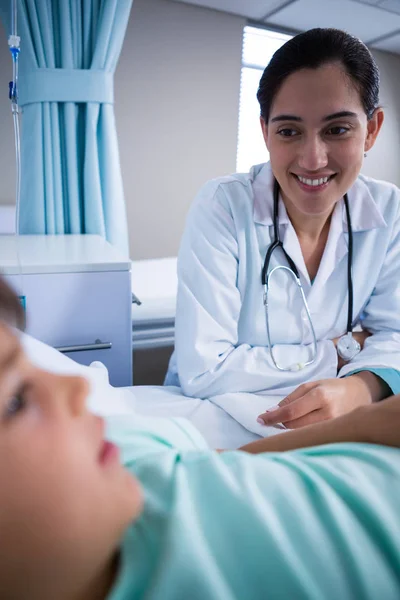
[{"x": 15, "y": 405}]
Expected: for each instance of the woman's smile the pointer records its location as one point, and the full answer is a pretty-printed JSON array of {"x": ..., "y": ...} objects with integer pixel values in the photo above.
[{"x": 313, "y": 183}]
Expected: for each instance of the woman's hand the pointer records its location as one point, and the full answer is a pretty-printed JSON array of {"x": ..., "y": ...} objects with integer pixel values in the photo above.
[
  {"x": 326, "y": 399},
  {"x": 374, "y": 424}
]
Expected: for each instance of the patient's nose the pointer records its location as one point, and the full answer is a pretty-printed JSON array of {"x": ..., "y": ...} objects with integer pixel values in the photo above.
[{"x": 74, "y": 391}]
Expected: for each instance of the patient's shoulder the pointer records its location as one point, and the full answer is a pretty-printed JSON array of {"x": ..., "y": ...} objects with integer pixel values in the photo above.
[{"x": 139, "y": 436}]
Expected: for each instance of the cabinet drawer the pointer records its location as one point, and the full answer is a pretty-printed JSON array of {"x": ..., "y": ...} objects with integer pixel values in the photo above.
[{"x": 78, "y": 310}]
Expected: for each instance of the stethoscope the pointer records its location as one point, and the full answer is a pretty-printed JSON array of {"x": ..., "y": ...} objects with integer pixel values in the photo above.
[{"x": 347, "y": 346}]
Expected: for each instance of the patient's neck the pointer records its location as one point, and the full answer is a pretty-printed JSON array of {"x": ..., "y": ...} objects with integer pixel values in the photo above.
[
  {"x": 92, "y": 586},
  {"x": 99, "y": 587}
]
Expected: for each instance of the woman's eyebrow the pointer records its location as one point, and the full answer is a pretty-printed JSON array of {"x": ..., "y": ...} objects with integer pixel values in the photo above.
[
  {"x": 340, "y": 115},
  {"x": 286, "y": 118},
  {"x": 337, "y": 115}
]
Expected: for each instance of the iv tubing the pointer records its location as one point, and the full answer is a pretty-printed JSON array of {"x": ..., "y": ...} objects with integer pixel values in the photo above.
[
  {"x": 14, "y": 17},
  {"x": 17, "y": 166},
  {"x": 13, "y": 42}
]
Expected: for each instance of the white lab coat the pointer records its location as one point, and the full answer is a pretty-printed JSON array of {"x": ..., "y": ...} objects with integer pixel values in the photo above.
[{"x": 221, "y": 342}]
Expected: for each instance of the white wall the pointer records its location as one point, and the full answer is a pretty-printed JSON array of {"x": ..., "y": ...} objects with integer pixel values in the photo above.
[
  {"x": 383, "y": 161},
  {"x": 177, "y": 90},
  {"x": 177, "y": 94}
]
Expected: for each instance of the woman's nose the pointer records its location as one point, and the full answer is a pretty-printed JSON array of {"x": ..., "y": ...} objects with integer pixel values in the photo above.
[{"x": 313, "y": 154}]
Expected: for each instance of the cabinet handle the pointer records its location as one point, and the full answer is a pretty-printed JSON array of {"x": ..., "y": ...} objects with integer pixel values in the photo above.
[
  {"x": 98, "y": 345},
  {"x": 135, "y": 300}
]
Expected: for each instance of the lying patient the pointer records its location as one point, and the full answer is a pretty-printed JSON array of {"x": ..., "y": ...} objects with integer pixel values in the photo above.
[{"x": 165, "y": 518}]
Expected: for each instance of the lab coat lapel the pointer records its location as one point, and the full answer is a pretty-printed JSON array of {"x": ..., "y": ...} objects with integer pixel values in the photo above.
[
  {"x": 336, "y": 248},
  {"x": 364, "y": 212},
  {"x": 292, "y": 246},
  {"x": 365, "y": 215},
  {"x": 263, "y": 190}
]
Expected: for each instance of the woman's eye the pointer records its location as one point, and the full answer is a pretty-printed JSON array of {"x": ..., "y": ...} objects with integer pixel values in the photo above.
[
  {"x": 15, "y": 405},
  {"x": 287, "y": 132},
  {"x": 337, "y": 130}
]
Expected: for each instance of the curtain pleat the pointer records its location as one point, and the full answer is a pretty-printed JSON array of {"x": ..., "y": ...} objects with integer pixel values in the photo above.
[{"x": 70, "y": 172}]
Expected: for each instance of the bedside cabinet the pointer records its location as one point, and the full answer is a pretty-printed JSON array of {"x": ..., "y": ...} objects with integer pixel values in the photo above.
[{"x": 76, "y": 290}]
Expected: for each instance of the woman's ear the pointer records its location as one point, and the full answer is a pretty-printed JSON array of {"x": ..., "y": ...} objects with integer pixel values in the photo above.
[
  {"x": 264, "y": 129},
  {"x": 373, "y": 128}
]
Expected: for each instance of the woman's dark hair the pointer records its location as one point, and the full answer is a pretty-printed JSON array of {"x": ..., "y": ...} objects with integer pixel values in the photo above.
[
  {"x": 317, "y": 47},
  {"x": 11, "y": 311}
]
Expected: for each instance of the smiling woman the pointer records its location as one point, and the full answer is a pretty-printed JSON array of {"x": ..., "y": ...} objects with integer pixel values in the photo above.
[
  {"x": 335, "y": 121},
  {"x": 309, "y": 211}
]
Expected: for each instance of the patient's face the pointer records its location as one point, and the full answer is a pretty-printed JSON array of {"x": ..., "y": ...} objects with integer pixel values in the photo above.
[{"x": 65, "y": 499}]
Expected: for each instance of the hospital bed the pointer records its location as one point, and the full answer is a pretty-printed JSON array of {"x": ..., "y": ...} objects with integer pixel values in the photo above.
[
  {"x": 154, "y": 286},
  {"x": 218, "y": 428}
]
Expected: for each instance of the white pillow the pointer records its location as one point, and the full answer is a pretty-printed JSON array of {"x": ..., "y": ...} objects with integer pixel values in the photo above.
[{"x": 103, "y": 398}]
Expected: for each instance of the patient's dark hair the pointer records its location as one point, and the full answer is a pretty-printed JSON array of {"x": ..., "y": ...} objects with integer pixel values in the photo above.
[
  {"x": 313, "y": 49},
  {"x": 11, "y": 311}
]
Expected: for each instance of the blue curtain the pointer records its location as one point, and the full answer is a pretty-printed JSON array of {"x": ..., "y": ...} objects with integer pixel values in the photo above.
[{"x": 70, "y": 171}]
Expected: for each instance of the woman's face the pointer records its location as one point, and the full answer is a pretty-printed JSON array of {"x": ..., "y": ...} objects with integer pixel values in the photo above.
[
  {"x": 316, "y": 134},
  {"x": 65, "y": 499}
]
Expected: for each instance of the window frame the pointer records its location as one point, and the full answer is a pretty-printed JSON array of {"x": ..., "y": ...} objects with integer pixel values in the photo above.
[{"x": 249, "y": 131}]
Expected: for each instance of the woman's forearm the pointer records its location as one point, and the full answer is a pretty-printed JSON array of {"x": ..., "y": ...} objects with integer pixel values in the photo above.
[{"x": 356, "y": 426}]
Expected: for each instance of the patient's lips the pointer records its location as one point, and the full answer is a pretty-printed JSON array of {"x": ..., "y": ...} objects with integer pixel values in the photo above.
[{"x": 109, "y": 453}]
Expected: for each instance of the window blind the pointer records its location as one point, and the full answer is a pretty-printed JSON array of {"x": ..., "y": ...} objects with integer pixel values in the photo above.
[{"x": 258, "y": 47}]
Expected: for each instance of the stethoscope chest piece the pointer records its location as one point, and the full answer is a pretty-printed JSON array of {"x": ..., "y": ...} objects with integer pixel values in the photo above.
[{"x": 348, "y": 347}]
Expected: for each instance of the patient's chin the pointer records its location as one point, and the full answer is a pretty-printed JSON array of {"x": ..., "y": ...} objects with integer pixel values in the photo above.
[{"x": 134, "y": 497}]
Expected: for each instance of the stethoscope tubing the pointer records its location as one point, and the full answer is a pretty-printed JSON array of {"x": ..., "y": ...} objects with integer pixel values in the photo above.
[
  {"x": 292, "y": 269},
  {"x": 300, "y": 287}
]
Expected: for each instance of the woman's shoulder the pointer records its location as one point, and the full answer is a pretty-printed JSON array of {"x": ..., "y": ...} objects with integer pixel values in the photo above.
[
  {"x": 380, "y": 189},
  {"x": 384, "y": 195},
  {"x": 235, "y": 183},
  {"x": 232, "y": 193}
]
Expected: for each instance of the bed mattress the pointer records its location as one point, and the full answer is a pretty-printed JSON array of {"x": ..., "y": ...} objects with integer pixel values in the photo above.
[{"x": 154, "y": 285}]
